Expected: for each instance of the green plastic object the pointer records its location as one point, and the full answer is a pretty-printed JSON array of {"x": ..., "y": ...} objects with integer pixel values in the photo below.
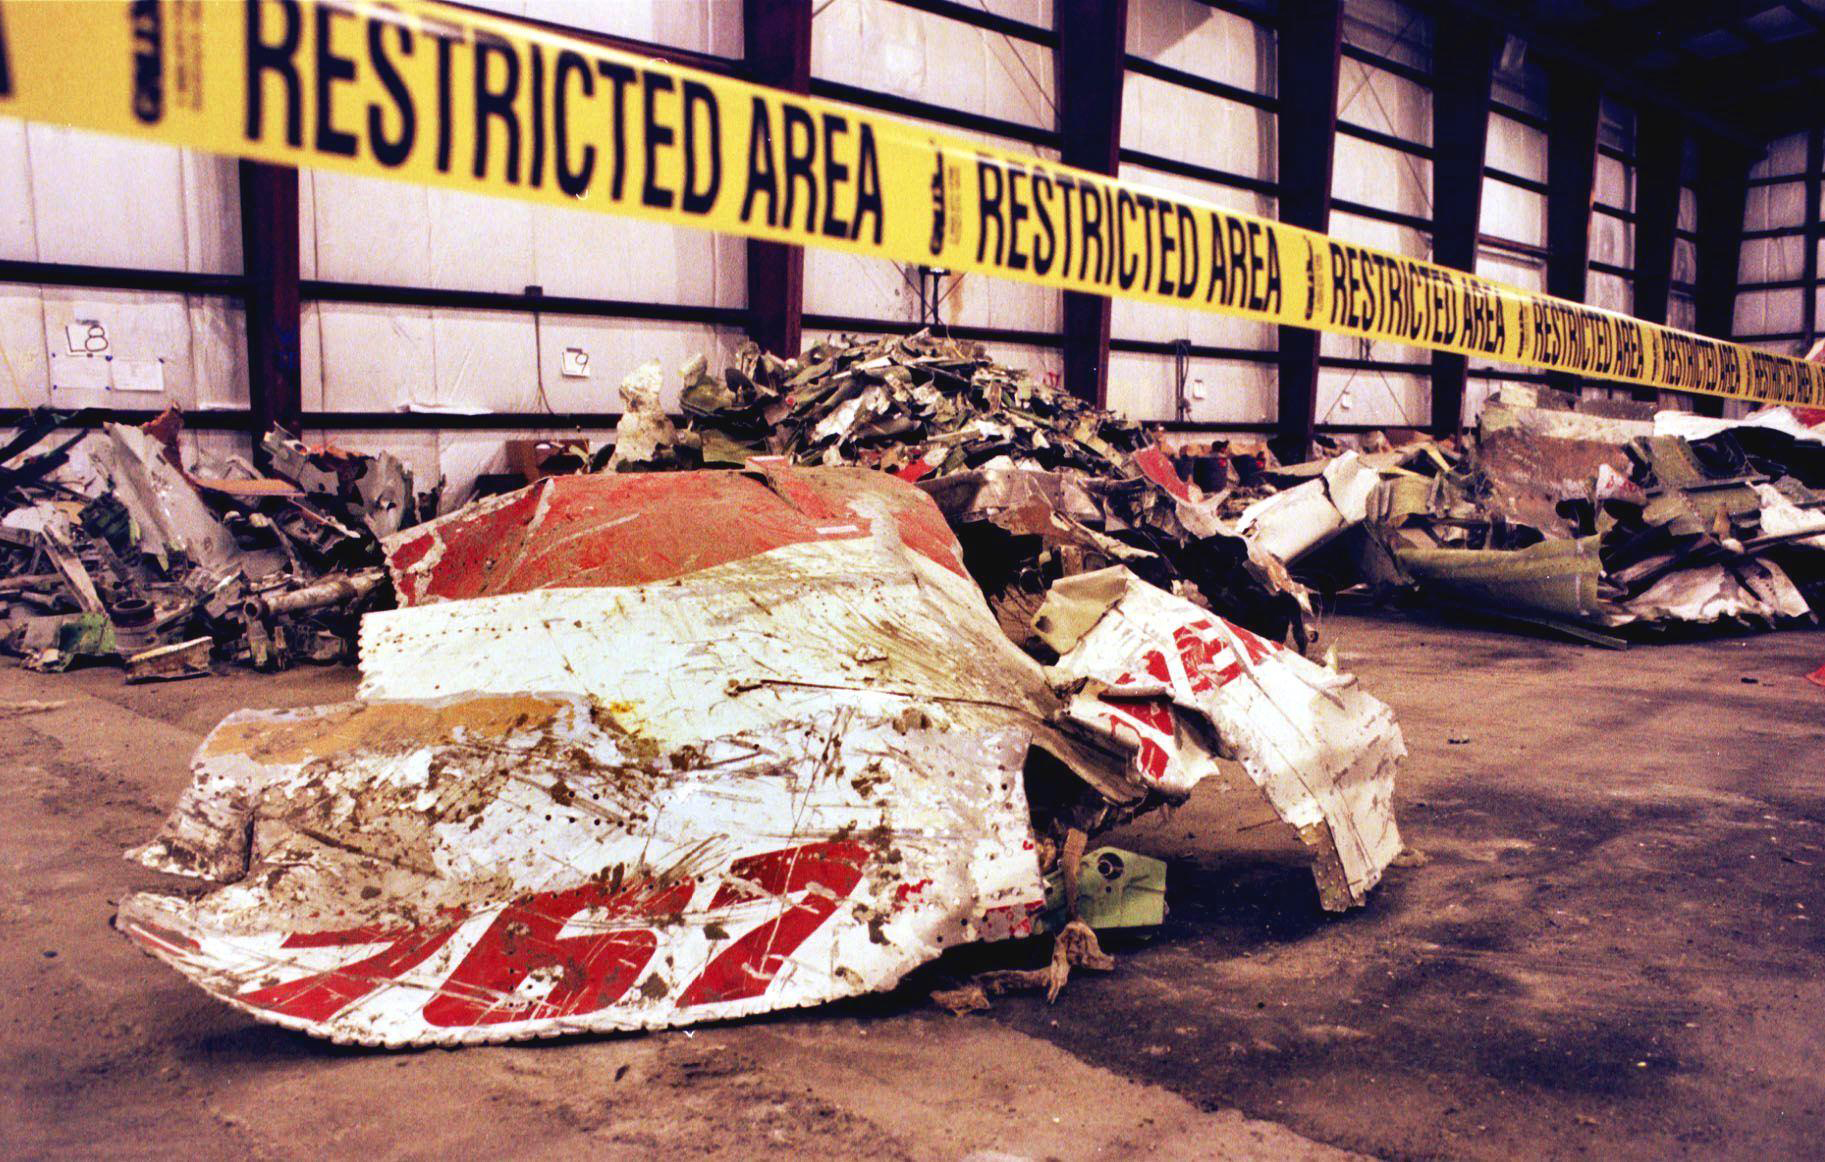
[
  {"x": 1115, "y": 889},
  {"x": 64, "y": 639}
]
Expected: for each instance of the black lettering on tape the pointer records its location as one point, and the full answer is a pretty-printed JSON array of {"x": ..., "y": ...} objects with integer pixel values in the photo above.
[
  {"x": 331, "y": 70},
  {"x": 1091, "y": 200},
  {"x": 496, "y": 103},
  {"x": 763, "y": 177},
  {"x": 1188, "y": 251},
  {"x": 1045, "y": 245},
  {"x": 391, "y": 150},
  {"x": 801, "y": 160},
  {"x": 264, "y": 56},
  {"x": 535, "y": 172},
  {"x": 620, "y": 78},
  {"x": 867, "y": 184},
  {"x": 990, "y": 183},
  {"x": 702, "y": 137},
  {"x": 570, "y": 67},
  {"x": 446, "y": 50},
  {"x": 835, "y": 175},
  {"x": 656, "y": 136},
  {"x": 1017, "y": 213}
]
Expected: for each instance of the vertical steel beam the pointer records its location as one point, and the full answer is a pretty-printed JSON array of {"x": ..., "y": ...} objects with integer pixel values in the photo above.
[
  {"x": 776, "y": 40},
  {"x": 1815, "y": 172},
  {"x": 269, "y": 257},
  {"x": 1464, "y": 48},
  {"x": 1659, "y": 151},
  {"x": 1310, "y": 53},
  {"x": 1573, "y": 106},
  {"x": 1723, "y": 194},
  {"x": 1088, "y": 65}
]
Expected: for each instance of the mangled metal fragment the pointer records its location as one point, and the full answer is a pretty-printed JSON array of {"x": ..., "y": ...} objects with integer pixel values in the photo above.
[
  {"x": 1292, "y": 523},
  {"x": 1587, "y": 522},
  {"x": 623, "y": 772},
  {"x": 267, "y": 569},
  {"x": 1072, "y": 486},
  {"x": 644, "y": 438},
  {"x": 646, "y": 750},
  {"x": 1179, "y": 688},
  {"x": 171, "y": 518},
  {"x": 377, "y": 489},
  {"x": 171, "y": 663}
]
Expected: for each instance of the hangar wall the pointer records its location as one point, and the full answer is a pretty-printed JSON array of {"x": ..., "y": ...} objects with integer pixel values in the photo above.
[
  {"x": 1199, "y": 116},
  {"x": 1779, "y": 299}
]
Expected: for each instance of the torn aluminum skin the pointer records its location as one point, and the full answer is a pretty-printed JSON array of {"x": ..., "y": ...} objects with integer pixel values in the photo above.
[
  {"x": 1179, "y": 688},
  {"x": 1291, "y": 524},
  {"x": 641, "y": 751}
]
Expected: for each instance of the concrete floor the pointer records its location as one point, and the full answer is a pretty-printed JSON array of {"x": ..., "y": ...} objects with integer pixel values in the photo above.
[{"x": 1609, "y": 946}]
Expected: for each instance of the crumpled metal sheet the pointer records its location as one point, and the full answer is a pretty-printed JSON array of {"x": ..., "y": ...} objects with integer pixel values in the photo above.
[
  {"x": 1752, "y": 587},
  {"x": 1534, "y": 458},
  {"x": 767, "y": 758},
  {"x": 170, "y": 516},
  {"x": 1179, "y": 688},
  {"x": 1291, "y": 524},
  {"x": 1554, "y": 578},
  {"x": 1696, "y": 427},
  {"x": 628, "y": 529}
]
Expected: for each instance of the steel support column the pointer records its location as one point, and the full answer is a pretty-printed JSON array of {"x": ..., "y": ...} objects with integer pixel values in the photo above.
[
  {"x": 1092, "y": 42},
  {"x": 1573, "y": 106},
  {"x": 1659, "y": 150},
  {"x": 1723, "y": 191},
  {"x": 776, "y": 37},
  {"x": 269, "y": 256},
  {"x": 1464, "y": 51},
  {"x": 1815, "y": 167},
  {"x": 1310, "y": 51}
]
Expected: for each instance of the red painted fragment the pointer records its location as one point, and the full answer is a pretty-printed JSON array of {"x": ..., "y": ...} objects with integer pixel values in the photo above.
[
  {"x": 1156, "y": 466},
  {"x": 322, "y": 995},
  {"x": 637, "y": 528},
  {"x": 824, "y": 872},
  {"x": 1145, "y": 719},
  {"x": 1817, "y": 677},
  {"x": 1199, "y": 647},
  {"x": 589, "y": 972}
]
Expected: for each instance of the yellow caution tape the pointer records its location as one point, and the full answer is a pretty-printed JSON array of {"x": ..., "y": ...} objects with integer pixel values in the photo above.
[{"x": 461, "y": 100}]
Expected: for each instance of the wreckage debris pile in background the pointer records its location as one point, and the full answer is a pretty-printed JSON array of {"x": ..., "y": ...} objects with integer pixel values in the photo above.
[
  {"x": 113, "y": 551},
  {"x": 1594, "y": 516},
  {"x": 1036, "y": 483}
]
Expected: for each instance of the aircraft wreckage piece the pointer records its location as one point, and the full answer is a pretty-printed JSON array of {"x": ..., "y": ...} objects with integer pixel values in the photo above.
[
  {"x": 640, "y": 751},
  {"x": 1181, "y": 687}
]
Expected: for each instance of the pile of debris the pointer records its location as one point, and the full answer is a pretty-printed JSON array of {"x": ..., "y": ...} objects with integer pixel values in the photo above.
[
  {"x": 1037, "y": 484},
  {"x": 1650, "y": 522},
  {"x": 1584, "y": 517},
  {"x": 644, "y": 745},
  {"x": 112, "y": 550}
]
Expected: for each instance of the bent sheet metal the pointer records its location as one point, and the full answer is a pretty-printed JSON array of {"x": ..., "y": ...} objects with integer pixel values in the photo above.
[
  {"x": 640, "y": 751},
  {"x": 1180, "y": 688}
]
